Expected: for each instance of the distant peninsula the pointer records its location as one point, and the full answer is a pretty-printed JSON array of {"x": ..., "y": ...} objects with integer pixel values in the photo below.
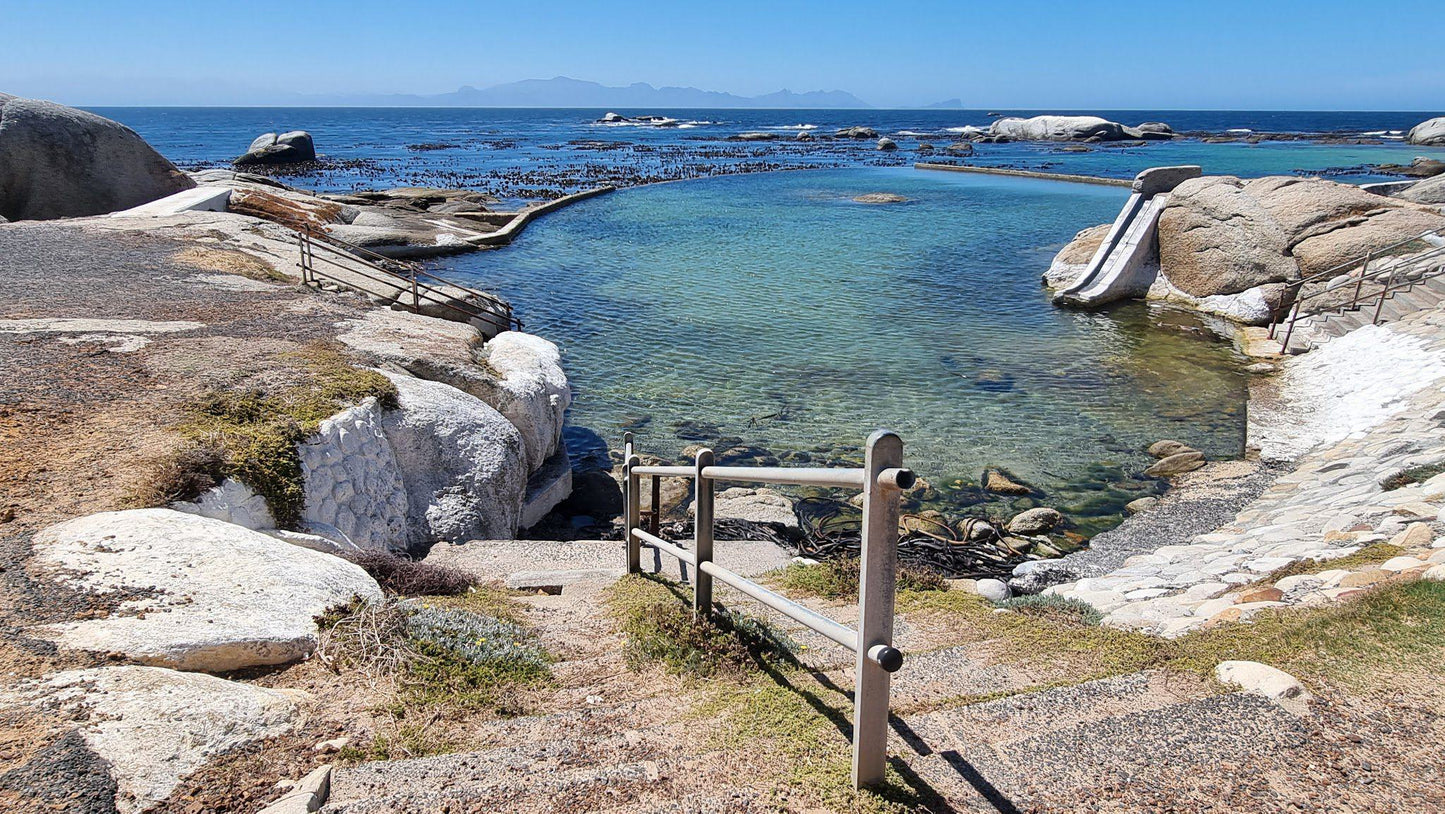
[{"x": 562, "y": 91}]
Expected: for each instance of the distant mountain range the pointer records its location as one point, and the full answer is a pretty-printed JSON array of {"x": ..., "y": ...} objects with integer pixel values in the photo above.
[{"x": 562, "y": 91}]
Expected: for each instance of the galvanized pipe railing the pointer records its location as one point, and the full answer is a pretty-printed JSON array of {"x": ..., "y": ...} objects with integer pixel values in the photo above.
[
  {"x": 1422, "y": 263},
  {"x": 398, "y": 276},
  {"x": 882, "y": 479}
]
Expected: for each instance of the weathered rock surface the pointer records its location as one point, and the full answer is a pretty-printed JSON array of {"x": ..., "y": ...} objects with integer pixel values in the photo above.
[
  {"x": 1058, "y": 128},
  {"x": 288, "y": 148},
  {"x": 462, "y": 462},
  {"x": 1260, "y": 679},
  {"x": 1428, "y": 132},
  {"x": 155, "y": 726},
  {"x": 1430, "y": 191},
  {"x": 1164, "y": 179},
  {"x": 517, "y": 374},
  {"x": 353, "y": 481},
  {"x": 1165, "y": 448},
  {"x": 1073, "y": 260},
  {"x": 887, "y": 144},
  {"x": 857, "y": 132},
  {"x": 1219, "y": 235},
  {"x": 1176, "y": 464},
  {"x": 193, "y": 593},
  {"x": 1215, "y": 238},
  {"x": 59, "y": 162}
]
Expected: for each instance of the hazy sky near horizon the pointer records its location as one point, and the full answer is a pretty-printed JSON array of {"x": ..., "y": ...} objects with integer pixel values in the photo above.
[{"x": 1226, "y": 54}]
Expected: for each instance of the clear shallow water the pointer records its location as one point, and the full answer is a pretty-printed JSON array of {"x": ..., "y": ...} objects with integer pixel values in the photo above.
[
  {"x": 518, "y": 153},
  {"x": 774, "y": 311}
]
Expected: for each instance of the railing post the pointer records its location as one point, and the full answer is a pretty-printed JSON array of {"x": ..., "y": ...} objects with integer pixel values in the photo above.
[
  {"x": 1288, "y": 332},
  {"x": 877, "y": 578},
  {"x": 1364, "y": 270},
  {"x": 633, "y": 516},
  {"x": 1380, "y": 305},
  {"x": 415, "y": 293},
  {"x": 654, "y": 523},
  {"x": 702, "y": 530}
]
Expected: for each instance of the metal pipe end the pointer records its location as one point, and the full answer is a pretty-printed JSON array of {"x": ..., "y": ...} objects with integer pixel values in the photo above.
[
  {"x": 900, "y": 479},
  {"x": 889, "y": 658}
]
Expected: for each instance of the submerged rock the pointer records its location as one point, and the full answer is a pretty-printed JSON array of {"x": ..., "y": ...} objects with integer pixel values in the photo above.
[
  {"x": 59, "y": 162},
  {"x": 1034, "y": 521},
  {"x": 997, "y": 481},
  {"x": 194, "y": 593},
  {"x": 1163, "y": 449},
  {"x": 880, "y": 198},
  {"x": 1176, "y": 464}
]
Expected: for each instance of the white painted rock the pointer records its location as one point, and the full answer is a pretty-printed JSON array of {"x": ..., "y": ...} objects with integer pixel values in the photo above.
[
  {"x": 211, "y": 595},
  {"x": 462, "y": 462},
  {"x": 353, "y": 481},
  {"x": 232, "y": 502},
  {"x": 155, "y": 726},
  {"x": 1260, "y": 679},
  {"x": 994, "y": 590},
  {"x": 532, "y": 393}
]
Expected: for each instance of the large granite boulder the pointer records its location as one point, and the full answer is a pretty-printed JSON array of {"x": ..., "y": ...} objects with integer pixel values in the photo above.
[
  {"x": 463, "y": 463},
  {"x": 1429, "y": 132},
  {"x": 1058, "y": 128},
  {"x": 294, "y": 147},
  {"x": 152, "y": 726},
  {"x": 532, "y": 391},
  {"x": 59, "y": 162},
  {"x": 1216, "y": 238},
  {"x": 1430, "y": 191},
  {"x": 1073, "y": 260},
  {"x": 191, "y": 592}
]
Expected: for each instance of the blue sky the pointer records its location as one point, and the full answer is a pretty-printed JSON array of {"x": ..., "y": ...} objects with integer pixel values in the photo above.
[{"x": 1265, "y": 54}]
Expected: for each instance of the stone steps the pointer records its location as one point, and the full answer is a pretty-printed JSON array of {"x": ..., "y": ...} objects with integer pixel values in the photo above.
[{"x": 1318, "y": 329}]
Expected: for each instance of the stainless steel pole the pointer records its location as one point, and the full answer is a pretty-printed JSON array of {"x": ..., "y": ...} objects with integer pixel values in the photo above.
[
  {"x": 633, "y": 517},
  {"x": 702, "y": 536},
  {"x": 877, "y": 579}
]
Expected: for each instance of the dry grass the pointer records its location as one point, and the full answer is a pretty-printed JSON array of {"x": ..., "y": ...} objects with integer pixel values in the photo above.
[{"x": 230, "y": 262}]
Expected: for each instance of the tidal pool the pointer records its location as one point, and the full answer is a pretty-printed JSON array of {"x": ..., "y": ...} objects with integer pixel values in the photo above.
[{"x": 774, "y": 314}]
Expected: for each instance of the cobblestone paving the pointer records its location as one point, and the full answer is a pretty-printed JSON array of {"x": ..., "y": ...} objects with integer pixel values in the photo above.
[{"x": 1332, "y": 503}]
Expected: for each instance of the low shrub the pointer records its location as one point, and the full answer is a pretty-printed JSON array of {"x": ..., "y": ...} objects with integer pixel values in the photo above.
[
  {"x": 1415, "y": 474},
  {"x": 1056, "y": 608},
  {"x": 406, "y": 577},
  {"x": 469, "y": 660},
  {"x": 181, "y": 476}
]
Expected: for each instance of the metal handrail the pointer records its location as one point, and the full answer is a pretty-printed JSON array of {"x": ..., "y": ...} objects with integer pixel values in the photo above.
[
  {"x": 403, "y": 276},
  {"x": 1334, "y": 271},
  {"x": 1358, "y": 298},
  {"x": 882, "y": 478}
]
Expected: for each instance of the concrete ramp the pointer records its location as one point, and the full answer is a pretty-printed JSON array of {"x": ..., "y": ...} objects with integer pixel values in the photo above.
[{"x": 1127, "y": 262}]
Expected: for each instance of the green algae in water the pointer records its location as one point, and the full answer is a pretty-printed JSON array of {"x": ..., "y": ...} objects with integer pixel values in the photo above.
[{"x": 772, "y": 311}]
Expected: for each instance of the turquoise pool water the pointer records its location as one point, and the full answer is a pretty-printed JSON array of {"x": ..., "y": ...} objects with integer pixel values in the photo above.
[{"x": 773, "y": 313}]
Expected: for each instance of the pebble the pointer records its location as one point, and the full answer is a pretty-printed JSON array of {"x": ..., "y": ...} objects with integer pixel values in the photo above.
[
  {"x": 1260, "y": 679},
  {"x": 994, "y": 590}
]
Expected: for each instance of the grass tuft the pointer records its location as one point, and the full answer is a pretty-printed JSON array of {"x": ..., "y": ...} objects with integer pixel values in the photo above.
[
  {"x": 1372, "y": 554},
  {"x": 1415, "y": 474},
  {"x": 657, "y": 619},
  {"x": 838, "y": 579}
]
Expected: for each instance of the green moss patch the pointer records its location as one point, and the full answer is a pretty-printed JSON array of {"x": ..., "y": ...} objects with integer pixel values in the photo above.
[
  {"x": 657, "y": 619},
  {"x": 252, "y": 436},
  {"x": 1372, "y": 554}
]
